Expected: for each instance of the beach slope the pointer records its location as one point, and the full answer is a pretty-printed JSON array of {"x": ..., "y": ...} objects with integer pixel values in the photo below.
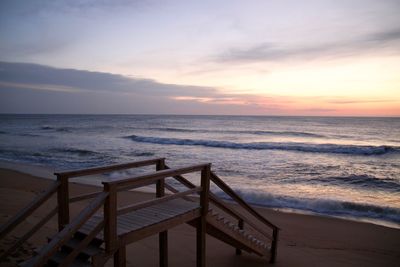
[{"x": 305, "y": 240}]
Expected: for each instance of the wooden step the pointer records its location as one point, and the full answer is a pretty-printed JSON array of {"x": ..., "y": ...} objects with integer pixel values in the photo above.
[
  {"x": 234, "y": 235},
  {"x": 59, "y": 256},
  {"x": 90, "y": 250}
]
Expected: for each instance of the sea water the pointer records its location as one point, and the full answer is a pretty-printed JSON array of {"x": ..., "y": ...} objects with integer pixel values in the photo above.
[{"x": 338, "y": 166}]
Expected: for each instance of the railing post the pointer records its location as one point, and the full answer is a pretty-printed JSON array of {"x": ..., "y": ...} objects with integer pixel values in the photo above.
[
  {"x": 110, "y": 218},
  {"x": 63, "y": 202},
  {"x": 274, "y": 245},
  {"x": 241, "y": 226},
  {"x": 163, "y": 236},
  {"x": 202, "y": 221}
]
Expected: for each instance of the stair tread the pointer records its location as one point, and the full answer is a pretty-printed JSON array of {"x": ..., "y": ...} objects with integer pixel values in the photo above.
[
  {"x": 90, "y": 250},
  {"x": 60, "y": 255}
]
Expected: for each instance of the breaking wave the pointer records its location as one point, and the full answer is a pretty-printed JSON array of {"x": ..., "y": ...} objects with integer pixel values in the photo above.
[
  {"x": 255, "y": 132},
  {"x": 57, "y": 129},
  {"x": 360, "y": 181},
  {"x": 322, "y": 206},
  {"x": 291, "y": 146},
  {"x": 75, "y": 151}
]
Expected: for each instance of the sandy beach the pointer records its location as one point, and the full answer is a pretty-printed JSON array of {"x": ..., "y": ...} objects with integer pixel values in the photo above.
[{"x": 305, "y": 240}]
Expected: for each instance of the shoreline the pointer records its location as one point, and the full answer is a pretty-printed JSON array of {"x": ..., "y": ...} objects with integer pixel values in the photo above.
[
  {"x": 305, "y": 240},
  {"x": 46, "y": 172}
]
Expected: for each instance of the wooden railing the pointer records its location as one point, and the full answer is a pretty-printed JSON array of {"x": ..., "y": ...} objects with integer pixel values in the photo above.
[
  {"x": 111, "y": 211},
  {"x": 63, "y": 178},
  {"x": 23, "y": 214},
  {"x": 108, "y": 199},
  {"x": 242, "y": 219},
  {"x": 275, "y": 230},
  {"x": 64, "y": 235},
  {"x": 61, "y": 186}
]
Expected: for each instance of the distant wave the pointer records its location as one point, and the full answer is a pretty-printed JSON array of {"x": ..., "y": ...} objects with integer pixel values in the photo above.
[
  {"x": 3, "y": 132},
  {"x": 142, "y": 154},
  {"x": 75, "y": 151},
  {"x": 322, "y": 206},
  {"x": 57, "y": 129},
  {"x": 291, "y": 146},
  {"x": 255, "y": 132},
  {"x": 361, "y": 181}
]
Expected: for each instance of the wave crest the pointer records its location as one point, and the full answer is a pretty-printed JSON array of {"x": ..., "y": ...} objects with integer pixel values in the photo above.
[
  {"x": 322, "y": 206},
  {"x": 291, "y": 146}
]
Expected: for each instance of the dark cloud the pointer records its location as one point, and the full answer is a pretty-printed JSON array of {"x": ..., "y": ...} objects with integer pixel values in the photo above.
[
  {"x": 37, "y": 75},
  {"x": 388, "y": 41},
  {"x": 32, "y": 88}
]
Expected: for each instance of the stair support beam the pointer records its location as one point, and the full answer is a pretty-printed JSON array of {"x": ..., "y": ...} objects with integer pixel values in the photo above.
[
  {"x": 110, "y": 218},
  {"x": 120, "y": 257},
  {"x": 274, "y": 245},
  {"x": 162, "y": 236},
  {"x": 241, "y": 226},
  {"x": 202, "y": 221},
  {"x": 63, "y": 201}
]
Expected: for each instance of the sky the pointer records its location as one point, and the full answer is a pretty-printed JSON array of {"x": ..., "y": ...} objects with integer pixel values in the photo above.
[{"x": 271, "y": 57}]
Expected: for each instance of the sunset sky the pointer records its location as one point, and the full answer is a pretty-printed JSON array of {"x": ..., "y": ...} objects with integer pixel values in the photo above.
[{"x": 201, "y": 57}]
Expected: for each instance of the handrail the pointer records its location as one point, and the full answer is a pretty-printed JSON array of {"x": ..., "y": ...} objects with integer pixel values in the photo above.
[
  {"x": 64, "y": 235},
  {"x": 84, "y": 196},
  {"x": 25, "y": 237},
  {"x": 220, "y": 204},
  {"x": 221, "y": 184},
  {"x": 28, "y": 210},
  {"x": 213, "y": 197},
  {"x": 82, "y": 245},
  {"x": 109, "y": 168},
  {"x": 173, "y": 190},
  {"x": 140, "y": 180}
]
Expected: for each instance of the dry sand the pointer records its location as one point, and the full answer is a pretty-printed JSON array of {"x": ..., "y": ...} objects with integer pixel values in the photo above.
[{"x": 305, "y": 240}]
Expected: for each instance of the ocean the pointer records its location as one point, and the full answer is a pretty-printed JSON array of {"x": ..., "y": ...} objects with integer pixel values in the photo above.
[{"x": 336, "y": 166}]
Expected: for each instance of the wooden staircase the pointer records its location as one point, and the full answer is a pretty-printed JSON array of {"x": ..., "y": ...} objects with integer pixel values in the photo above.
[
  {"x": 84, "y": 258},
  {"x": 92, "y": 237},
  {"x": 230, "y": 233}
]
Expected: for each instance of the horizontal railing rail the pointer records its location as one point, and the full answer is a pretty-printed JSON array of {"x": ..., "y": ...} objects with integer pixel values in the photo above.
[
  {"x": 146, "y": 179},
  {"x": 84, "y": 196},
  {"x": 109, "y": 168}
]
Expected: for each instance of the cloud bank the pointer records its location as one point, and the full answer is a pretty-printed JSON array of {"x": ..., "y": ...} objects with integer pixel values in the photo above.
[
  {"x": 32, "y": 88},
  {"x": 386, "y": 41}
]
